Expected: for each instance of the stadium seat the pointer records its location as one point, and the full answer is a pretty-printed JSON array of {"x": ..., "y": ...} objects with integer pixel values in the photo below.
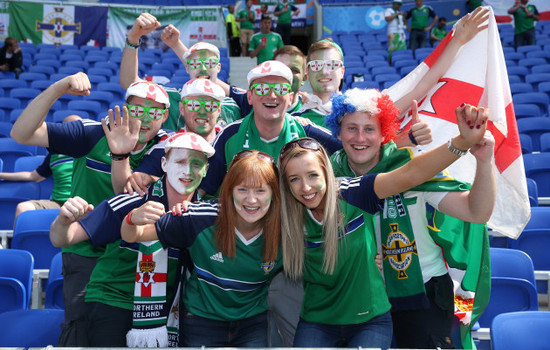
[
  {"x": 519, "y": 71},
  {"x": 41, "y": 84},
  {"x": 25, "y": 95},
  {"x": 58, "y": 116},
  {"x": 506, "y": 262},
  {"x": 44, "y": 56},
  {"x": 34, "y": 235},
  {"x": 106, "y": 72},
  {"x": 7, "y": 84},
  {"x": 515, "y": 79},
  {"x": 65, "y": 99},
  {"x": 19, "y": 265},
  {"x": 516, "y": 88},
  {"x": 526, "y": 143},
  {"x": 545, "y": 142},
  {"x": 5, "y": 129},
  {"x": 83, "y": 65},
  {"x": 92, "y": 107},
  {"x": 48, "y": 70},
  {"x": 541, "y": 68},
  {"x": 509, "y": 294},
  {"x": 75, "y": 52},
  {"x": 367, "y": 84},
  {"x": 528, "y": 48},
  {"x": 107, "y": 65},
  {"x": 103, "y": 97},
  {"x": 12, "y": 294},
  {"x": 28, "y": 163},
  {"x": 30, "y": 77},
  {"x": 534, "y": 127},
  {"x": 11, "y": 150},
  {"x": 383, "y": 70},
  {"x": 540, "y": 99},
  {"x": 9, "y": 103},
  {"x": 533, "y": 192},
  {"x": 70, "y": 57},
  {"x": 96, "y": 79},
  {"x": 513, "y": 56},
  {"x": 536, "y": 78},
  {"x": 115, "y": 89},
  {"x": 31, "y": 328},
  {"x": 159, "y": 72},
  {"x": 520, "y": 330},
  {"x": 526, "y": 110},
  {"x": 381, "y": 78},
  {"x": 538, "y": 54},
  {"x": 537, "y": 167},
  {"x": 54, "y": 289},
  {"x": 529, "y": 62}
]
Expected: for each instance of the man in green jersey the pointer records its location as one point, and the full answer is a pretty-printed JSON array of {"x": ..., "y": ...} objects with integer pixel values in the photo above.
[
  {"x": 524, "y": 18},
  {"x": 438, "y": 32},
  {"x": 247, "y": 18},
  {"x": 420, "y": 24},
  {"x": 93, "y": 146},
  {"x": 263, "y": 44},
  {"x": 284, "y": 12}
]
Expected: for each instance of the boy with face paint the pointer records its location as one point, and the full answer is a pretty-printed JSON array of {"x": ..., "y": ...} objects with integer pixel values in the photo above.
[
  {"x": 201, "y": 61},
  {"x": 113, "y": 295},
  {"x": 94, "y": 148}
]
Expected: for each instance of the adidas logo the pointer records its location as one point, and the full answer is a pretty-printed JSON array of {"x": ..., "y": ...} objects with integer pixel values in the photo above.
[{"x": 218, "y": 257}]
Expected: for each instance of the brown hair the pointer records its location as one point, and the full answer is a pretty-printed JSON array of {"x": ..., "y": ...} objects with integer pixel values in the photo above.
[
  {"x": 254, "y": 171},
  {"x": 290, "y": 50},
  {"x": 323, "y": 44}
]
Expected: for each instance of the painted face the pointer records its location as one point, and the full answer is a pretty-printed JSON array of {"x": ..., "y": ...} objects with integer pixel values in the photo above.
[
  {"x": 251, "y": 203},
  {"x": 307, "y": 180},
  {"x": 201, "y": 122},
  {"x": 361, "y": 138},
  {"x": 326, "y": 79},
  {"x": 203, "y": 72},
  {"x": 296, "y": 65},
  {"x": 185, "y": 169},
  {"x": 148, "y": 128},
  {"x": 271, "y": 106}
]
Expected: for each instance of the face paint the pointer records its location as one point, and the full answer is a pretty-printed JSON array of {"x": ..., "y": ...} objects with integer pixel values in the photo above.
[
  {"x": 237, "y": 203},
  {"x": 185, "y": 169},
  {"x": 325, "y": 80},
  {"x": 251, "y": 203}
]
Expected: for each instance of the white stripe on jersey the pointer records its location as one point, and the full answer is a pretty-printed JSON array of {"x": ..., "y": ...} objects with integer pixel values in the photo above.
[{"x": 122, "y": 200}]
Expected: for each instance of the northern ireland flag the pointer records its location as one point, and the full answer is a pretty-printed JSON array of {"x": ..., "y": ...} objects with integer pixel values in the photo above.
[{"x": 477, "y": 76}]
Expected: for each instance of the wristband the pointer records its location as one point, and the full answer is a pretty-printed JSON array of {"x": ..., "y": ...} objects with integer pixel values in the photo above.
[
  {"x": 413, "y": 140},
  {"x": 132, "y": 46},
  {"x": 116, "y": 156},
  {"x": 128, "y": 220},
  {"x": 456, "y": 150}
]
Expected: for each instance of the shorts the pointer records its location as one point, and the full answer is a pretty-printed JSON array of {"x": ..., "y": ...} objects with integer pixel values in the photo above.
[{"x": 246, "y": 34}]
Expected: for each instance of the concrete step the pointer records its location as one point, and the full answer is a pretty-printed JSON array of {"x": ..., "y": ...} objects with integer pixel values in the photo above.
[{"x": 240, "y": 66}]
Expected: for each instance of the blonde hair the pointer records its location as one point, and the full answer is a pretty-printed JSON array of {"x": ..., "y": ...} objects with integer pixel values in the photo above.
[{"x": 292, "y": 218}]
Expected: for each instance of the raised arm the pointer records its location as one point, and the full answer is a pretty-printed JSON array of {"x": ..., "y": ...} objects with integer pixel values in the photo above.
[
  {"x": 171, "y": 37},
  {"x": 30, "y": 128},
  {"x": 139, "y": 224},
  {"x": 477, "y": 204},
  {"x": 65, "y": 229},
  {"x": 122, "y": 137},
  {"x": 143, "y": 25},
  {"x": 466, "y": 29},
  {"x": 472, "y": 123}
]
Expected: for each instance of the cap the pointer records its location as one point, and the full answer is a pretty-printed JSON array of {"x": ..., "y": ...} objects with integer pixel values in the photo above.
[
  {"x": 189, "y": 140},
  {"x": 269, "y": 68},
  {"x": 202, "y": 46},
  {"x": 202, "y": 87},
  {"x": 150, "y": 90}
]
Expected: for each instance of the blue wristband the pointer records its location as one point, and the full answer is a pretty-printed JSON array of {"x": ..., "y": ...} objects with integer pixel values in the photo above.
[{"x": 413, "y": 140}]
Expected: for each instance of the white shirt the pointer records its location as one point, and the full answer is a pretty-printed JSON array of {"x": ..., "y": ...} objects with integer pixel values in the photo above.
[{"x": 396, "y": 25}]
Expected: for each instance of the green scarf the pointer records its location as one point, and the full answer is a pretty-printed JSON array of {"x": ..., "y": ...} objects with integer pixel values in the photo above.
[
  {"x": 248, "y": 137},
  {"x": 464, "y": 245}
]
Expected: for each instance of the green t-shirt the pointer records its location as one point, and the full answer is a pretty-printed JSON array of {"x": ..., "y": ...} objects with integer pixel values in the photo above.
[
  {"x": 230, "y": 111},
  {"x": 523, "y": 23},
  {"x": 286, "y": 17},
  {"x": 273, "y": 42},
  {"x": 62, "y": 171},
  {"x": 438, "y": 33},
  {"x": 312, "y": 115},
  {"x": 355, "y": 292},
  {"x": 247, "y": 24},
  {"x": 420, "y": 17}
]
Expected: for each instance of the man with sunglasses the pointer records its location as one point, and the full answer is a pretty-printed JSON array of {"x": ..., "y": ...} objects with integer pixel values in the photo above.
[
  {"x": 201, "y": 61},
  {"x": 268, "y": 128},
  {"x": 94, "y": 147}
]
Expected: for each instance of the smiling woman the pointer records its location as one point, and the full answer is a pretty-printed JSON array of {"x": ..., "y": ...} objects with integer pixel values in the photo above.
[{"x": 234, "y": 246}]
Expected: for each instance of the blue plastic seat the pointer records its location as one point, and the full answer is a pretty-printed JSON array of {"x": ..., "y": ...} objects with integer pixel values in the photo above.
[
  {"x": 519, "y": 71},
  {"x": 536, "y": 78},
  {"x": 526, "y": 110},
  {"x": 545, "y": 142},
  {"x": 533, "y": 192},
  {"x": 92, "y": 107},
  {"x": 534, "y": 127},
  {"x": 537, "y": 167},
  {"x": 526, "y": 143},
  {"x": 521, "y": 330},
  {"x": 54, "y": 289},
  {"x": 115, "y": 89},
  {"x": 529, "y": 62},
  {"x": 528, "y": 48},
  {"x": 31, "y": 328},
  {"x": 367, "y": 84},
  {"x": 103, "y": 97},
  {"x": 70, "y": 57},
  {"x": 25, "y": 95},
  {"x": 506, "y": 262},
  {"x": 5, "y": 129},
  {"x": 541, "y": 68},
  {"x": 28, "y": 163},
  {"x": 11, "y": 150},
  {"x": 58, "y": 116},
  {"x": 9, "y": 103},
  {"x": 12, "y": 294},
  {"x": 113, "y": 67},
  {"x": 19, "y": 265},
  {"x": 32, "y": 233},
  {"x": 82, "y": 65},
  {"x": 540, "y": 99}
]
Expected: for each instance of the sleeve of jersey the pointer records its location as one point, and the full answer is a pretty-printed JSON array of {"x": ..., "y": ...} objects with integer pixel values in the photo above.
[
  {"x": 239, "y": 95},
  {"x": 151, "y": 163},
  {"x": 103, "y": 224},
  {"x": 75, "y": 139},
  {"x": 432, "y": 12},
  {"x": 324, "y": 136},
  {"x": 44, "y": 169},
  {"x": 359, "y": 192},
  {"x": 176, "y": 231},
  {"x": 217, "y": 166},
  {"x": 253, "y": 44}
]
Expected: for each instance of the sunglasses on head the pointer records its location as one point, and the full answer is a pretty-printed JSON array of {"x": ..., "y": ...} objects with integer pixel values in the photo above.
[
  {"x": 247, "y": 153},
  {"x": 208, "y": 105},
  {"x": 262, "y": 89},
  {"x": 332, "y": 65},
  {"x": 153, "y": 113},
  {"x": 304, "y": 143},
  {"x": 196, "y": 63}
]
